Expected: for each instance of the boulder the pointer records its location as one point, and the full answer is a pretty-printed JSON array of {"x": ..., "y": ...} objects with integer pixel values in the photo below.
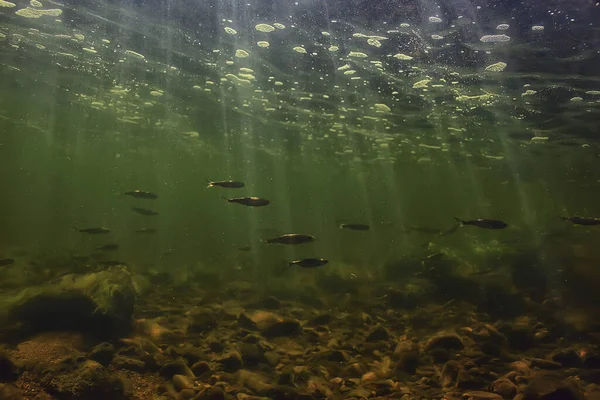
[{"x": 97, "y": 303}]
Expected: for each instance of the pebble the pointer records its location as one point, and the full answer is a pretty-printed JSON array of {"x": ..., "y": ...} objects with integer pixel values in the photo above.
[
  {"x": 567, "y": 358},
  {"x": 504, "y": 387},
  {"x": 449, "y": 373},
  {"x": 178, "y": 367},
  {"x": 102, "y": 353},
  {"x": 283, "y": 328},
  {"x": 449, "y": 341},
  {"x": 544, "y": 364},
  {"x": 182, "y": 382},
  {"x": 200, "y": 368},
  {"x": 231, "y": 361},
  {"x": 130, "y": 364},
  {"x": 480, "y": 395},
  {"x": 378, "y": 333}
]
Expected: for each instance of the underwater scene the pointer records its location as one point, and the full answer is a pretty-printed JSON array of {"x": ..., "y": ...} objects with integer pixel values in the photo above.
[{"x": 299, "y": 199}]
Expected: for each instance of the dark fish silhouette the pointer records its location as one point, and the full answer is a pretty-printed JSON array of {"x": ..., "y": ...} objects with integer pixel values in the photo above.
[
  {"x": 309, "y": 262},
  {"x": 483, "y": 223},
  {"x": 250, "y": 201},
  {"x": 355, "y": 227},
  {"x": 582, "y": 220},
  {"x": 144, "y": 211},
  {"x": 146, "y": 230},
  {"x": 6, "y": 261},
  {"x": 112, "y": 263},
  {"x": 108, "y": 247},
  {"x": 291, "y": 238},
  {"x": 140, "y": 194},
  {"x": 94, "y": 231},
  {"x": 227, "y": 184}
]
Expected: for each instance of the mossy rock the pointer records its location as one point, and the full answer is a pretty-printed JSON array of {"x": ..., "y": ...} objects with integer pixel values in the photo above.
[{"x": 98, "y": 303}]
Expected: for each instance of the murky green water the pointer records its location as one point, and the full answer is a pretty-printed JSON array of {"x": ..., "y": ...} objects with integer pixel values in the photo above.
[{"x": 392, "y": 115}]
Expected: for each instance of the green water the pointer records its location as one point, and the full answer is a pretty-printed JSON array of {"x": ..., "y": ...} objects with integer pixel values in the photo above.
[{"x": 84, "y": 119}]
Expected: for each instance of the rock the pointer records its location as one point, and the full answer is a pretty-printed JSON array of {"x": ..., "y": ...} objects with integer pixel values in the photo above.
[
  {"x": 178, "y": 367},
  {"x": 10, "y": 392},
  {"x": 99, "y": 304},
  {"x": 86, "y": 380},
  {"x": 129, "y": 364},
  {"x": 544, "y": 364},
  {"x": 190, "y": 353},
  {"x": 202, "y": 322},
  {"x": 519, "y": 337},
  {"x": 481, "y": 395},
  {"x": 200, "y": 368},
  {"x": 449, "y": 373},
  {"x": 231, "y": 362},
  {"x": 187, "y": 394},
  {"x": 469, "y": 380},
  {"x": 591, "y": 361},
  {"x": 252, "y": 354},
  {"x": 319, "y": 320},
  {"x": 283, "y": 328},
  {"x": 212, "y": 393},
  {"x": 8, "y": 370},
  {"x": 439, "y": 355},
  {"x": 378, "y": 333},
  {"x": 504, "y": 387},
  {"x": 272, "y": 358},
  {"x": 568, "y": 358},
  {"x": 244, "y": 321},
  {"x": 182, "y": 382},
  {"x": 337, "y": 356},
  {"x": 449, "y": 341},
  {"x": 102, "y": 353},
  {"x": 550, "y": 387},
  {"x": 270, "y": 303}
]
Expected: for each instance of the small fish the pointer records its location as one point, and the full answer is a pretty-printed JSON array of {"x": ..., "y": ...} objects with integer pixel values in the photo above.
[
  {"x": 6, "y": 261},
  {"x": 582, "y": 220},
  {"x": 291, "y": 238},
  {"x": 245, "y": 248},
  {"x": 355, "y": 227},
  {"x": 112, "y": 263},
  {"x": 94, "y": 231},
  {"x": 309, "y": 262},
  {"x": 146, "y": 230},
  {"x": 140, "y": 194},
  {"x": 483, "y": 223},
  {"x": 249, "y": 201},
  {"x": 144, "y": 211},
  {"x": 227, "y": 184},
  {"x": 108, "y": 247}
]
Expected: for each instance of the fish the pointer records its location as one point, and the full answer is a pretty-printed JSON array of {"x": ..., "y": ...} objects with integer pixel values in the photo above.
[
  {"x": 227, "y": 184},
  {"x": 146, "y": 230},
  {"x": 144, "y": 211},
  {"x": 245, "y": 248},
  {"x": 249, "y": 201},
  {"x": 94, "y": 231},
  {"x": 108, "y": 247},
  {"x": 140, "y": 194},
  {"x": 355, "y": 227},
  {"x": 582, "y": 220},
  {"x": 6, "y": 261},
  {"x": 112, "y": 263},
  {"x": 291, "y": 238},
  {"x": 483, "y": 223},
  {"x": 309, "y": 262}
]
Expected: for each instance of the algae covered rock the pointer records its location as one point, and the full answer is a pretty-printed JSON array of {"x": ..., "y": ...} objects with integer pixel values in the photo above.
[
  {"x": 86, "y": 380},
  {"x": 98, "y": 303}
]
